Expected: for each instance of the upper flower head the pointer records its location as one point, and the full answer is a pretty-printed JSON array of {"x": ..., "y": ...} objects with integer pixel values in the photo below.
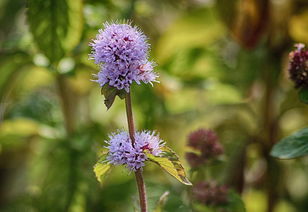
[
  {"x": 298, "y": 66},
  {"x": 122, "y": 152},
  {"x": 122, "y": 52}
]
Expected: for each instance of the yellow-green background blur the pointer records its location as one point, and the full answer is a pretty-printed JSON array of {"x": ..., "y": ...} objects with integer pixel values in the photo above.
[{"x": 222, "y": 65}]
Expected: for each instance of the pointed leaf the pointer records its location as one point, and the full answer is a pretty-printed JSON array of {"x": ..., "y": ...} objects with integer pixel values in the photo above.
[
  {"x": 110, "y": 94},
  {"x": 101, "y": 167},
  {"x": 169, "y": 161},
  {"x": 295, "y": 145}
]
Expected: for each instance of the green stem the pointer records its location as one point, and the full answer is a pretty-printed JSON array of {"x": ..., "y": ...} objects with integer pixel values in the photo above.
[{"x": 138, "y": 173}]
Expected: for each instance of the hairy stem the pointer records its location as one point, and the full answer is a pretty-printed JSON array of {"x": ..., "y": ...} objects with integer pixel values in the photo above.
[
  {"x": 130, "y": 118},
  {"x": 141, "y": 190},
  {"x": 138, "y": 173}
]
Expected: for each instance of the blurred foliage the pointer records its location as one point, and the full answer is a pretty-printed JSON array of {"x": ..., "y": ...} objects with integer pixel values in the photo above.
[{"x": 222, "y": 65}]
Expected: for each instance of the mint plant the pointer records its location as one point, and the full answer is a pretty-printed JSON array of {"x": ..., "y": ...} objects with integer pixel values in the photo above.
[{"x": 121, "y": 51}]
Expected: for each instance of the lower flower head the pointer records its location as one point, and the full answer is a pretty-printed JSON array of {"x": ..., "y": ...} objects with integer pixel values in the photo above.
[
  {"x": 298, "y": 66},
  {"x": 123, "y": 152}
]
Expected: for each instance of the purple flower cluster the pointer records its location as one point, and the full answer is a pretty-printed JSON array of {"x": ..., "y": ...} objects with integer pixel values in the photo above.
[
  {"x": 123, "y": 152},
  {"x": 122, "y": 52},
  {"x": 206, "y": 143},
  {"x": 210, "y": 193},
  {"x": 298, "y": 67}
]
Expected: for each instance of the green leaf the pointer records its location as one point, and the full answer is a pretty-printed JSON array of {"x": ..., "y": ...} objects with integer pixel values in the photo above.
[
  {"x": 110, "y": 94},
  {"x": 56, "y": 25},
  {"x": 303, "y": 95},
  {"x": 295, "y": 145},
  {"x": 169, "y": 161},
  {"x": 101, "y": 167}
]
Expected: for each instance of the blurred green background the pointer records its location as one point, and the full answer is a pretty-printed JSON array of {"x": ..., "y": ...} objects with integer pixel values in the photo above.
[{"x": 222, "y": 65}]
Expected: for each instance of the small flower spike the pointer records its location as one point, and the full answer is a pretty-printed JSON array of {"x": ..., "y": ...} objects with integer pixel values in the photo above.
[
  {"x": 298, "y": 66},
  {"x": 121, "y": 50},
  {"x": 207, "y": 143},
  {"x": 122, "y": 152}
]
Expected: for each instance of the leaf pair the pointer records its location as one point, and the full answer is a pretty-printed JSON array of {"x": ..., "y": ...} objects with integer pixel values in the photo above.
[{"x": 169, "y": 161}]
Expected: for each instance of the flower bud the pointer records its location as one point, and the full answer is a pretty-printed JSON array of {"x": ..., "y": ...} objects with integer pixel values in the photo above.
[
  {"x": 206, "y": 142},
  {"x": 298, "y": 66}
]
